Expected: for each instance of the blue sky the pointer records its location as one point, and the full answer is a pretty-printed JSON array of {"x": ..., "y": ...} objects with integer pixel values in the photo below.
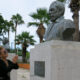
[{"x": 24, "y": 8}]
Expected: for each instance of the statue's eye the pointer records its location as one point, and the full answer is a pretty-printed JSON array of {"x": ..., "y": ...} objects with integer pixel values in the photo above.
[{"x": 51, "y": 9}]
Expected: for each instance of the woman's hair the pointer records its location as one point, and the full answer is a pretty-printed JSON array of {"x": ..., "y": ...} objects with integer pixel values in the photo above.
[{"x": 1, "y": 49}]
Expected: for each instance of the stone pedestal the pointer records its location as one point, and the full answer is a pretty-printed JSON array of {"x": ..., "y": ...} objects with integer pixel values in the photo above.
[
  {"x": 55, "y": 60},
  {"x": 13, "y": 74}
]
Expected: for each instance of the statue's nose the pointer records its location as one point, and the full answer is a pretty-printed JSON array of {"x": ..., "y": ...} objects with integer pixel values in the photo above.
[{"x": 50, "y": 12}]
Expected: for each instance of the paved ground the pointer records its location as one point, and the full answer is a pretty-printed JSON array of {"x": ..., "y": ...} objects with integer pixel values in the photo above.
[{"x": 23, "y": 74}]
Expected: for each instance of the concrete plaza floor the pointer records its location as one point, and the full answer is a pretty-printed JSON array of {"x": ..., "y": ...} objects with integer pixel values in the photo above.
[{"x": 23, "y": 74}]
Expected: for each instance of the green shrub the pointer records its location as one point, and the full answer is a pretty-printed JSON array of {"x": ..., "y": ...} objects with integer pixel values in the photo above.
[
  {"x": 27, "y": 55},
  {"x": 19, "y": 53}
]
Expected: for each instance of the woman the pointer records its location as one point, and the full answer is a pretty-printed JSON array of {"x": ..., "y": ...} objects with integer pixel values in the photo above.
[{"x": 6, "y": 65}]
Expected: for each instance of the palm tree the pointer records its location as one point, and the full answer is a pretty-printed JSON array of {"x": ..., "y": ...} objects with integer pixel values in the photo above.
[
  {"x": 17, "y": 20},
  {"x": 1, "y": 24},
  {"x": 61, "y": 0},
  {"x": 9, "y": 26},
  {"x": 75, "y": 7},
  {"x": 25, "y": 39},
  {"x": 41, "y": 17}
]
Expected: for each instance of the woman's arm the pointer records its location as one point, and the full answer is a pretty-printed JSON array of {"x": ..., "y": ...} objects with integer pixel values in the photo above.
[{"x": 13, "y": 65}]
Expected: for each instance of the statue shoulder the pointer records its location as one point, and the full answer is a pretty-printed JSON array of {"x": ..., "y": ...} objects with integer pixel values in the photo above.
[{"x": 67, "y": 23}]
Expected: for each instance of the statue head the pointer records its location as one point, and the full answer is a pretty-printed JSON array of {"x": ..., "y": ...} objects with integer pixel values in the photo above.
[{"x": 56, "y": 10}]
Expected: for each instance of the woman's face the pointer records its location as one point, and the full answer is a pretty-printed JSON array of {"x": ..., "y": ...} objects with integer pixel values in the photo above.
[{"x": 4, "y": 54}]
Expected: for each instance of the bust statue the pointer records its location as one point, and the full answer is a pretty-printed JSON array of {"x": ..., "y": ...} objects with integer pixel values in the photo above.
[{"x": 59, "y": 28}]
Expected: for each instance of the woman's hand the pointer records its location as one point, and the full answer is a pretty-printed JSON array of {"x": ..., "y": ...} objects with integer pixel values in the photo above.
[{"x": 15, "y": 58}]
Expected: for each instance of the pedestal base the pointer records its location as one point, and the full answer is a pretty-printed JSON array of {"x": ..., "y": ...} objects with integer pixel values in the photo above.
[{"x": 55, "y": 60}]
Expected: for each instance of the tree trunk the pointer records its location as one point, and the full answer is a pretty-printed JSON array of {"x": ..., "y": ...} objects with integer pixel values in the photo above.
[
  {"x": 24, "y": 53},
  {"x": 15, "y": 41},
  {"x": 76, "y": 21},
  {"x": 41, "y": 31},
  {"x": 15, "y": 37},
  {"x": 8, "y": 40},
  {"x": 74, "y": 5},
  {"x": 8, "y": 34}
]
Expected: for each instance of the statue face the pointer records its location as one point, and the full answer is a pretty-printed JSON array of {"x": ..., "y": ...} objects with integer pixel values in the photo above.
[
  {"x": 56, "y": 10},
  {"x": 53, "y": 13}
]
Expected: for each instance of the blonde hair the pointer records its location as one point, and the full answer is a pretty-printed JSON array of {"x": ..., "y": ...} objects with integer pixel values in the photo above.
[{"x": 1, "y": 48}]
